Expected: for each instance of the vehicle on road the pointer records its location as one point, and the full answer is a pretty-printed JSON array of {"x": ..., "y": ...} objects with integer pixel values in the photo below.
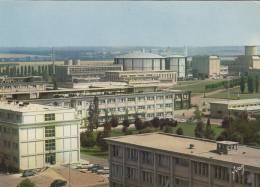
[
  {"x": 189, "y": 120},
  {"x": 182, "y": 121},
  {"x": 28, "y": 173},
  {"x": 85, "y": 165},
  {"x": 94, "y": 170},
  {"x": 94, "y": 166},
  {"x": 57, "y": 183},
  {"x": 103, "y": 171},
  {"x": 193, "y": 105}
]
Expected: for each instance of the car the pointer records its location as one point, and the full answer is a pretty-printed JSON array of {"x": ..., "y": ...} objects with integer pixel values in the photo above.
[
  {"x": 58, "y": 182},
  {"x": 94, "y": 170},
  {"x": 28, "y": 173},
  {"x": 193, "y": 105},
  {"x": 103, "y": 171},
  {"x": 189, "y": 120},
  {"x": 182, "y": 121},
  {"x": 85, "y": 165},
  {"x": 94, "y": 166}
]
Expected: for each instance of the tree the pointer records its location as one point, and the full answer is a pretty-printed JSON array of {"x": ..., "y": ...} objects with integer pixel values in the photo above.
[
  {"x": 26, "y": 183},
  {"x": 100, "y": 142},
  {"x": 147, "y": 130},
  {"x": 251, "y": 83},
  {"x": 94, "y": 113},
  {"x": 242, "y": 84},
  {"x": 39, "y": 70},
  {"x": 55, "y": 85},
  {"x": 107, "y": 126},
  {"x": 29, "y": 70},
  {"x": 168, "y": 129},
  {"x": 156, "y": 122},
  {"x": 209, "y": 132},
  {"x": 198, "y": 114},
  {"x": 114, "y": 121},
  {"x": 87, "y": 139},
  {"x": 256, "y": 83},
  {"x": 199, "y": 129},
  {"x": 227, "y": 121},
  {"x": 126, "y": 123},
  {"x": 25, "y": 71},
  {"x": 147, "y": 124},
  {"x": 138, "y": 123},
  {"x": 22, "y": 71},
  {"x": 179, "y": 131}
]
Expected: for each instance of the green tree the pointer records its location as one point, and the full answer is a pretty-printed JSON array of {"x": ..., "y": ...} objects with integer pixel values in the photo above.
[
  {"x": 198, "y": 114},
  {"x": 94, "y": 113},
  {"x": 209, "y": 132},
  {"x": 138, "y": 123},
  {"x": 29, "y": 70},
  {"x": 18, "y": 71},
  {"x": 107, "y": 126},
  {"x": 256, "y": 84},
  {"x": 114, "y": 121},
  {"x": 126, "y": 123},
  {"x": 39, "y": 70},
  {"x": 242, "y": 84},
  {"x": 251, "y": 83},
  {"x": 55, "y": 85},
  {"x": 25, "y": 71},
  {"x": 147, "y": 130},
  {"x": 156, "y": 122},
  {"x": 26, "y": 183},
  {"x": 199, "y": 129},
  {"x": 100, "y": 142},
  {"x": 179, "y": 131},
  {"x": 168, "y": 129},
  {"x": 22, "y": 71},
  {"x": 87, "y": 139}
]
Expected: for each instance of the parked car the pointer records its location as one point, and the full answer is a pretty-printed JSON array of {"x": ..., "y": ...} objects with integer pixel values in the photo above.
[
  {"x": 85, "y": 165},
  {"x": 94, "y": 170},
  {"x": 94, "y": 166},
  {"x": 182, "y": 121},
  {"x": 57, "y": 183},
  {"x": 189, "y": 120},
  {"x": 193, "y": 105},
  {"x": 27, "y": 173},
  {"x": 103, "y": 171}
]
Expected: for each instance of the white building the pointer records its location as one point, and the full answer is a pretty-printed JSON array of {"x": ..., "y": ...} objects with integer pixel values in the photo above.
[{"x": 33, "y": 136}]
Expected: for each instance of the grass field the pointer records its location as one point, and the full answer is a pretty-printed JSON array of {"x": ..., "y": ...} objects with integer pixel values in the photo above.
[
  {"x": 197, "y": 86},
  {"x": 188, "y": 129}
]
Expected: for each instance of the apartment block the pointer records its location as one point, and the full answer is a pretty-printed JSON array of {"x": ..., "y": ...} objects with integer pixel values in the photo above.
[{"x": 167, "y": 160}]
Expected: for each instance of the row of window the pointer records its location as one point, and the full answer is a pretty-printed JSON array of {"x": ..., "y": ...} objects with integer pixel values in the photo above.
[
  {"x": 10, "y": 116},
  {"x": 8, "y": 158},
  {"x": 18, "y": 86},
  {"x": 8, "y": 144},
  {"x": 9, "y": 130}
]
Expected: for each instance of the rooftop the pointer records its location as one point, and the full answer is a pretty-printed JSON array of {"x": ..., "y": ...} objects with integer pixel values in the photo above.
[
  {"x": 246, "y": 155},
  {"x": 238, "y": 101},
  {"x": 140, "y": 55},
  {"x": 175, "y": 56}
]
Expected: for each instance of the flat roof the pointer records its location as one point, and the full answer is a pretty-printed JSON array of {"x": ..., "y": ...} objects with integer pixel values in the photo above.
[
  {"x": 237, "y": 101},
  {"x": 246, "y": 155},
  {"x": 249, "y": 108},
  {"x": 142, "y": 71},
  {"x": 12, "y": 106},
  {"x": 140, "y": 55}
]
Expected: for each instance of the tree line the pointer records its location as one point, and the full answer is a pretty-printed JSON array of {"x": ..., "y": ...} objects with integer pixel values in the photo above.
[
  {"x": 223, "y": 84},
  {"x": 252, "y": 83}
]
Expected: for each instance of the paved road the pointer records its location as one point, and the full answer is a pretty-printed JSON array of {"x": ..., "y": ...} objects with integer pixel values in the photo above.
[{"x": 94, "y": 160}]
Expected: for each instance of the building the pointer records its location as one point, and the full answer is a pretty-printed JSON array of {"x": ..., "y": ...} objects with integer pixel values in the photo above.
[
  {"x": 72, "y": 71},
  {"x": 140, "y": 61},
  {"x": 245, "y": 63},
  {"x": 163, "y": 78},
  {"x": 34, "y": 136},
  {"x": 177, "y": 63},
  {"x": 220, "y": 109},
  {"x": 167, "y": 160},
  {"x": 206, "y": 67}
]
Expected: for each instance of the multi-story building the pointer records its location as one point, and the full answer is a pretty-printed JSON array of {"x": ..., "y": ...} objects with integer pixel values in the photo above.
[
  {"x": 33, "y": 136},
  {"x": 167, "y": 160},
  {"x": 177, "y": 63},
  {"x": 161, "y": 78},
  {"x": 219, "y": 109},
  {"x": 206, "y": 67}
]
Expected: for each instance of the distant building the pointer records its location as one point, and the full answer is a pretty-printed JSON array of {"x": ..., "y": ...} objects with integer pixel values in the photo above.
[
  {"x": 206, "y": 67},
  {"x": 177, "y": 63},
  {"x": 139, "y": 61},
  {"x": 220, "y": 109},
  {"x": 162, "y": 78},
  {"x": 34, "y": 136},
  {"x": 168, "y": 160}
]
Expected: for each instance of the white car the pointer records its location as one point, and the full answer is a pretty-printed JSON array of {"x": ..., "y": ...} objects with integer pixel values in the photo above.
[
  {"x": 182, "y": 121},
  {"x": 103, "y": 171},
  {"x": 85, "y": 165}
]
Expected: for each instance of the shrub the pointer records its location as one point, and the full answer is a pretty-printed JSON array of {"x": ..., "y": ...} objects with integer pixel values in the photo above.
[{"x": 179, "y": 131}]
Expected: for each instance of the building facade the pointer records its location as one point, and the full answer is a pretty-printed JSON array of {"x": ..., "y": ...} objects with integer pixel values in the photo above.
[
  {"x": 34, "y": 136},
  {"x": 167, "y": 160},
  {"x": 177, "y": 63},
  {"x": 206, "y": 67}
]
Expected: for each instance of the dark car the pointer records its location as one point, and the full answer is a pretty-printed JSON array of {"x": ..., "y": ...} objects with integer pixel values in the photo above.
[
  {"x": 57, "y": 183},
  {"x": 27, "y": 173},
  {"x": 94, "y": 170},
  {"x": 94, "y": 166}
]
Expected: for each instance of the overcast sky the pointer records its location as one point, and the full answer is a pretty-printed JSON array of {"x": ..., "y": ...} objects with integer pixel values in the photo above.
[{"x": 55, "y": 23}]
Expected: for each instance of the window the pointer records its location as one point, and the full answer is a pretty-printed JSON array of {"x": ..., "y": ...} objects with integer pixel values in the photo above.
[
  {"x": 117, "y": 170},
  {"x": 140, "y": 98},
  {"x": 159, "y": 97},
  {"x": 147, "y": 157},
  {"x": 150, "y": 98},
  {"x": 181, "y": 183},
  {"x": 168, "y": 105},
  {"x": 183, "y": 162},
  {"x": 159, "y": 106},
  {"x": 168, "y": 97},
  {"x": 79, "y": 112},
  {"x": 111, "y": 101},
  {"x": 163, "y": 180},
  {"x": 15, "y": 159},
  {"x": 111, "y": 109},
  {"x": 101, "y": 102},
  {"x": 201, "y": 169},
  {"x": 7, "y": 144},
  {"x": 150, "y": 115},
  {"x": 147, "y": 177},
  {"x": 15, "y": 145},
  {"x": 121, "y": 109},
  {"x": 15, "y": 132},
  {"x": 117, "y": 151},
  {"x": 163, "y": 161},
  {"x": 132, "y": 154},
  {"x": 121, "y": 100},
  {"x": 18, "y": 117},
  {"x": 7, "y": 130},
  {"x": 7, "y": 157},
  {"x": 102, "y": 111},
  {"x": 132, "y": 173},
  {"x": 50, "y": 131},
  {"x": 121, "y": 117},
  {"x": 131, "y": 108},
  {"x": 221, "y": 173},
  {"x": 159, "y": 114},
  {"x": 131, "y": 99},
  {"x": 168, "y": 114},
  {"x": 150, "y": 106},
  {"x": 79, "y": 103},
  {"x": 50, "y": 117},
  {"x": 140, "y": 107},
  {"x": 49, "y": 145}
]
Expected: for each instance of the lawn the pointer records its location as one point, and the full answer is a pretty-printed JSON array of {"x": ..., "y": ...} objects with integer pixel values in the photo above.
[{"x": 188, "y": 129}]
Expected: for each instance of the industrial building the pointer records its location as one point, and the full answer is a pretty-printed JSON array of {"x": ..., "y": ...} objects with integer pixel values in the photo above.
[
  {"x": 220, "y": 109},
  {"x": 162, "y": 78},
  {"x": 34, "y": 136},
  {"x": 177, "y": 63},
  {"x": 167, "y": 160}
]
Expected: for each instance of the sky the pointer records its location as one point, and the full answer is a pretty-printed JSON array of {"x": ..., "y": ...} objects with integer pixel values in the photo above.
[{"x": 129, "y": 23}]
